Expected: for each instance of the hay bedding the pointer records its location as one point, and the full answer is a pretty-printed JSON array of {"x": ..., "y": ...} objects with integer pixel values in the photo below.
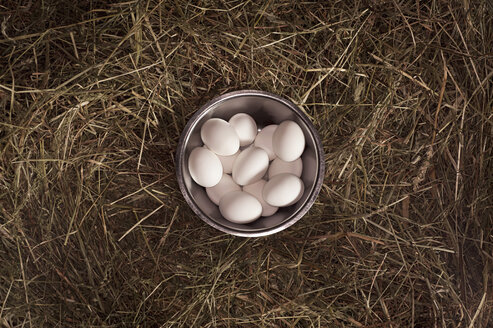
[{"x": 94, "y": 232}]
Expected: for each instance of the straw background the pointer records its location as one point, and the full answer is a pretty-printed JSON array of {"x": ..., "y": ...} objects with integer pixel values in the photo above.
[{"x": 95, "y": 233}]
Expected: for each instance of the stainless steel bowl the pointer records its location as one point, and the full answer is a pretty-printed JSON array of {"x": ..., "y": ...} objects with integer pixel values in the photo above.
[{"x": 266, "y": 108}]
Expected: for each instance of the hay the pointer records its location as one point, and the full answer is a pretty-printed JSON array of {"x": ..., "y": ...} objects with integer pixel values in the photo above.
[{"x": 94, "y": 95}]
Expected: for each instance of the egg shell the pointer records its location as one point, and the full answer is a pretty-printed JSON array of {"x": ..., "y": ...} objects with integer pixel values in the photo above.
[
  {"x": 264, "y": 140},
  {"x": 245, "y": 128},
  {"x": 220, "y": 137},
  {"x": 205, "y": 167},
  {"x": 288, "y": 141},
  {"x": 300, "y": 194},
  {"x": 250, "y": 166},
  {"x": 279, "y": 166},
  {"x": 240, "y": 207},
  {"x": 227, "y": 162},
  {"x": 225, "y": 185},
  {"x": 282, "y": 190},
  {"x": 255, "y": 189}
]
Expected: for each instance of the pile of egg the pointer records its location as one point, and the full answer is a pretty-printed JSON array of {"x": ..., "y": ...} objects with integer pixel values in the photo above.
[{"x": 249, "y": 174}]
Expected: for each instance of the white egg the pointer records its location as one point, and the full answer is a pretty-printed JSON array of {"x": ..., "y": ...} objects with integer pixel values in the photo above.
[
  {"x": 220, "y": 137},
  {"x": 288, "y": 141},
  {"x": 279, "y": 166},
  {"x": 205, "y": 167},
  {"x": 227, "y": 161},
  {"x": 225, "y": 185},
  {"x": 283, "y": 190},
  {"x": 300, "y": 194},
  {"x": 255, "y": 189},
  {"x": 264, "y": 140},
  {"x": 245, "y": 128},
  {"x": 240, "y": 207},
  {"x": 250, "y": 166}
]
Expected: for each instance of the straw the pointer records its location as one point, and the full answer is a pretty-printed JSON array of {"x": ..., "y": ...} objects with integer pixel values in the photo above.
[{"x": 94, "y": 231}]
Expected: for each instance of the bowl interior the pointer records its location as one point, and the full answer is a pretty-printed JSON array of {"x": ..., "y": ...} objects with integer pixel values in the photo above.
[{"x": 265, "y": 110}]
